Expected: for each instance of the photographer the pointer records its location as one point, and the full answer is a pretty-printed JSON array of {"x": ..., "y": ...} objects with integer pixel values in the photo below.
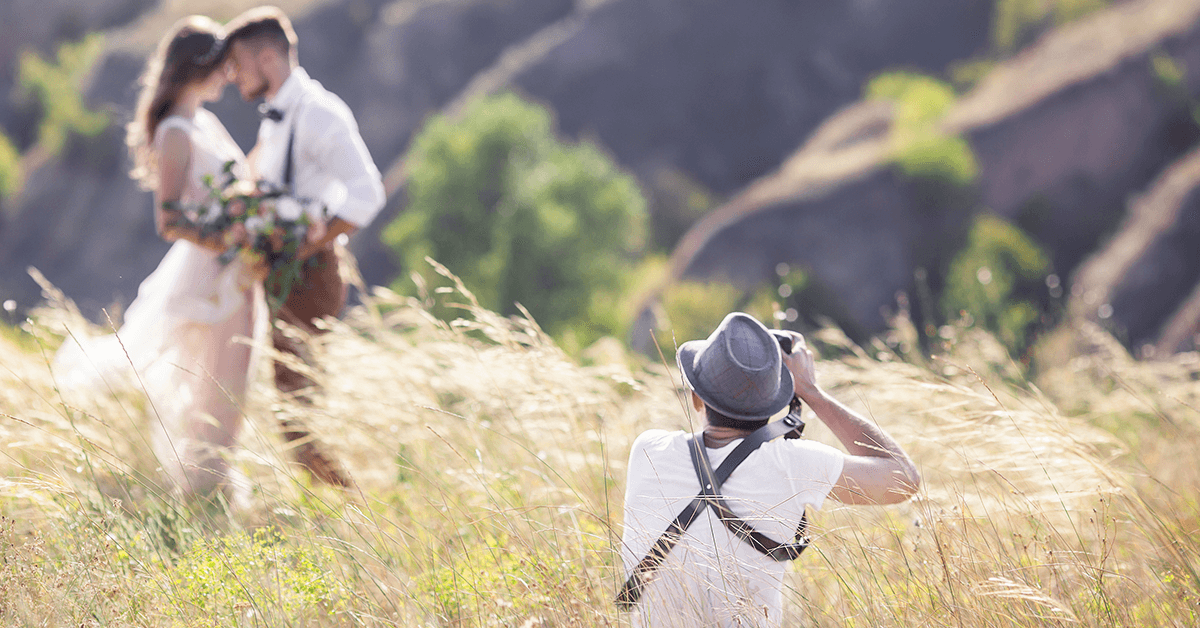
[{"x": 708, "y": 548}]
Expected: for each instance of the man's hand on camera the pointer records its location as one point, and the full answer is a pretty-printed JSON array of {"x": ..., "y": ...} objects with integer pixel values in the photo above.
[
  {"x": 876, "y": 469},
  {"x": 800, "y": 362}
]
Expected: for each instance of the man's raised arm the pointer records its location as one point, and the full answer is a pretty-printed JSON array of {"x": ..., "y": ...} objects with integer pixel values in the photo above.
[{"x": 876, "y": 471}]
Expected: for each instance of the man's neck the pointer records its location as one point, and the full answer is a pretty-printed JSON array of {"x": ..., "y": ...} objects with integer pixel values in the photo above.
[
  {"x": 275, "y": 82},
  {"x": 716, "y": 437}
]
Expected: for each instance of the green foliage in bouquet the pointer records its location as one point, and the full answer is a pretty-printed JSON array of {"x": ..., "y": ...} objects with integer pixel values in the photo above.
[
  {"x": 521, "y": 218},
  {"x": 234, "y": 204},
  {"x": 57, "y": 87},
  {"x": 993, "y": 279}
]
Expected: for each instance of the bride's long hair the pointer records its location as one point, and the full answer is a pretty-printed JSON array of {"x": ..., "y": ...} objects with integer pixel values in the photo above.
[{"x": 190, "y": 53}]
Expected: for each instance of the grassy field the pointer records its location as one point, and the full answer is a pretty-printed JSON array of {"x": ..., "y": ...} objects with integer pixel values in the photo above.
[{"x": 491, "y": 473}]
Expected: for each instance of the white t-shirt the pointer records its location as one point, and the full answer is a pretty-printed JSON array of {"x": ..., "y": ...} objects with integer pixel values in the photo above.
[{"x": 711, "y": 578}]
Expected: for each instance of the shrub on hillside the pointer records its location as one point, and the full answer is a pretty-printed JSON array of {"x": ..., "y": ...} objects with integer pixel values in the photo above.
[
  {"x": 994, "y": 279},
  {"x": 522, "y": 218},
  {"x": 693, "y": 309},
  {"x": 56, "y": 86},
  {"x": 1017, "y": 23},
  {"x": 922, "y": 150},
  {"x": 939, "y": 170},
  {"x": 10, "y": 168}
]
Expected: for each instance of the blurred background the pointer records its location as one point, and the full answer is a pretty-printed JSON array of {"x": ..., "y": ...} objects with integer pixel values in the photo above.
[{"x": 634, "y": 169}]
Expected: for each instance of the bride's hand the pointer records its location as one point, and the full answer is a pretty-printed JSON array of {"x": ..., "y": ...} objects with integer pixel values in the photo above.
[
  {"x": 257, "y": 267},
  {"x": 317, "y": 228},
  {"x": 237, "y": 235}
]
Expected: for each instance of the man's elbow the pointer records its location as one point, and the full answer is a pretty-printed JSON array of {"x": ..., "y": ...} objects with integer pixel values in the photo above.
[
  {"x": 379, "y": 191},
  {"x": 906, "y": 484}
]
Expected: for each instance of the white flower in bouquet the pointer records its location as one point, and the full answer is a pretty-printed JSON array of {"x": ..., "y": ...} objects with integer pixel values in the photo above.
[
  {"x": 210, "y": 212},
  {"x": 288, "y": 208},
  {"x": 258, "y": 225}
]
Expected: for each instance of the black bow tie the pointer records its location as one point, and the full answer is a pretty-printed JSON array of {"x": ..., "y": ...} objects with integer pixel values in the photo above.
[{"x": 270, "y": 113}]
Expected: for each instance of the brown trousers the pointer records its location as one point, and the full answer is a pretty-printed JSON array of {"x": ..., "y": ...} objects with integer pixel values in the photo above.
[{"x": 318, "y": 293}]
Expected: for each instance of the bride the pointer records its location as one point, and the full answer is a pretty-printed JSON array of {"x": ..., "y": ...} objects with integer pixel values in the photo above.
[{"x": 184, "y": 338}]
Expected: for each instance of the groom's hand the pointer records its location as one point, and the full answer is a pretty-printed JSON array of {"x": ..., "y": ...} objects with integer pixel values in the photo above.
[{"x": 336, "y": 227}]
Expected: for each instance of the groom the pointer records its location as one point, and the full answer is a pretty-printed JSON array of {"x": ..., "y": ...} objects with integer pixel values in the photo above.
[{"x": 308, "y": 143}]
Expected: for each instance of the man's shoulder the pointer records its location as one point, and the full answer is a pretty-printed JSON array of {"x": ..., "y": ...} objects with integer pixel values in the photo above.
[
  {"x": 808, "y": 460},
  {"x": 800, "y": 446},
  {"x": 789, "y": 452},
  {"x": 318, "y": 100},
  {"x": 658, "y": 437},
  {"x": 653, "y": 443}
]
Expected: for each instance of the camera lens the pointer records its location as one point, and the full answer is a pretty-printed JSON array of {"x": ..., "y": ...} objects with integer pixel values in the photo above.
[{"x": 784, "y": 340}]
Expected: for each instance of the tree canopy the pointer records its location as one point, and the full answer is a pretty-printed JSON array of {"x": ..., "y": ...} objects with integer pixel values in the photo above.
[{"x": 522, "y": 217}]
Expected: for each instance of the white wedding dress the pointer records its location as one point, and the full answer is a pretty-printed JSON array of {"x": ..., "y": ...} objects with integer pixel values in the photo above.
[{"x": 187, "y": 339}]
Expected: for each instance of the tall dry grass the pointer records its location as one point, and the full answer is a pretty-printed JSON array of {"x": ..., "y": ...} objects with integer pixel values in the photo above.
[{"x": 491, "y": 473}]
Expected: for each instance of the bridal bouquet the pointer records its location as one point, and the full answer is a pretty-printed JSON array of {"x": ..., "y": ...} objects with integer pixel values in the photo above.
[{"x": 261, "y": 223}]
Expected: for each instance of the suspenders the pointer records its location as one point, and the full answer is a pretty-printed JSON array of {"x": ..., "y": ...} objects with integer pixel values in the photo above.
[
  {"x": 710, "y": 497},
  {"x": 289, "y": 163}
]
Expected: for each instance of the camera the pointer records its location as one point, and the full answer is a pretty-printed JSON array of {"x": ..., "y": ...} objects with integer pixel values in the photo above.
[
  {"x": 784, "y": 340},
  {"x": 795, "y": 406}
]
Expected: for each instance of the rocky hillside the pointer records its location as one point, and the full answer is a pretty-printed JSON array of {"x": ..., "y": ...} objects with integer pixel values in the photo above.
[
  {"x": 714, "y": 93},
  {"x": 1147, "y": 278},
  {"x": 717, "y": 91},
  {"x": 1064, "y": 134},
  {"x": 39, "y": 25}
]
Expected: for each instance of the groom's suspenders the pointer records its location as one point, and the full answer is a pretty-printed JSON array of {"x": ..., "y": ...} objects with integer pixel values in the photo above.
[
  {"x": 289, "y": 166},
  {"x": 710, "y": 497}
]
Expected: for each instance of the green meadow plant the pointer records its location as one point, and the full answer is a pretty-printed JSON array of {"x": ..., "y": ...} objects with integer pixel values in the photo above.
[{"x": 259, "y": 576}]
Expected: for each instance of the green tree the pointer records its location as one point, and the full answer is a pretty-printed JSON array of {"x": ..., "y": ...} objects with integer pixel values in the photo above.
[
  {"x": 994, "y": 278},
  {"x": 521, "y": 217}
]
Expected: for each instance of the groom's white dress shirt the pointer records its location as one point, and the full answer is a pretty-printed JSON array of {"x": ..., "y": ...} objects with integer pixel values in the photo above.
[{"x": 330, "y": 161}]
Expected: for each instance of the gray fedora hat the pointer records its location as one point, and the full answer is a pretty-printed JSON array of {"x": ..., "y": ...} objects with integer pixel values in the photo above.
[{"x": 738, "y": 370}]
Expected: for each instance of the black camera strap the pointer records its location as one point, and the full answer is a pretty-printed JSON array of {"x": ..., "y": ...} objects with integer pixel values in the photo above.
[{"x": 710, "y": 496}]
